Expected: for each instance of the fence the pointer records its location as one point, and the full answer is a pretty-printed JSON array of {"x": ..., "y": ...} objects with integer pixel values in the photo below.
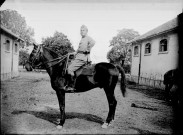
[{"x": 154, "y": 80}]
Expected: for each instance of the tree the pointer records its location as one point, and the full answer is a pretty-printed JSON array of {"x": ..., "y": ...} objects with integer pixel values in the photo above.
[
  {"x": 123, "y": 37},
  {"x": 120, "y": 49},
  {"x": 58, "y": 43},
  {"x": 115, "y": 54},
  {"x": 13, "y": 21},
  {"x": 23, "y": 56}
]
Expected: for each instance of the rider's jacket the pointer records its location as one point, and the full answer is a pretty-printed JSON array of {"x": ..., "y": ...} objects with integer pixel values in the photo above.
[{"x": 85, "y": 45}]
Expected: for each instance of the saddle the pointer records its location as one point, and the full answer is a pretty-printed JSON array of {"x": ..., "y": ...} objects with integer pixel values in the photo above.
[{"x": 86, "y": 69}]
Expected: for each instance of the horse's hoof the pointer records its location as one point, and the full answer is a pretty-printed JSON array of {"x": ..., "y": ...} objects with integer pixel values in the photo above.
[
  {"x": 57, "y": 121},
  {"x": 105, "y": 125},
  {"x": 59, "y": 127}
]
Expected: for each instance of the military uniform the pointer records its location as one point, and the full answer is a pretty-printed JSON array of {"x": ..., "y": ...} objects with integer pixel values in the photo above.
[{"x": 82, "y": 54}]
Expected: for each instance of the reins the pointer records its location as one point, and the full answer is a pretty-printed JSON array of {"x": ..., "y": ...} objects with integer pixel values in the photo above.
[
  {"x": 39, "y": 51},
  {"x": 59, "y": 58}
]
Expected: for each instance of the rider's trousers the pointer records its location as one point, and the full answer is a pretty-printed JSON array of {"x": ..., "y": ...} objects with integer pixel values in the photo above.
[{"x": 75, "y": 64}]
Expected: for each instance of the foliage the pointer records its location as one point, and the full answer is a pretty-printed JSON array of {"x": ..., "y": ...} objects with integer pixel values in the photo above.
[
  {"x": 121, "y": 50},
  {"x": 123, "y": 37},
  {"x": 59, "y": 43},
  {"x": 13, "y": 21},
  {"x": 127, "y": 68},
  {"x": 23, "y": 56},
  {"x": 116, "y": 54}
]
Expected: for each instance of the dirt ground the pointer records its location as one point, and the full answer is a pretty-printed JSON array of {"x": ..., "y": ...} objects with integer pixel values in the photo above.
[{"x": 29, "y": 106}]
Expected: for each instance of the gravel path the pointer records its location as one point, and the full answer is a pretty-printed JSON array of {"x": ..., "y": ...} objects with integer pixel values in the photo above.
[{"x": 29, "y": 105}]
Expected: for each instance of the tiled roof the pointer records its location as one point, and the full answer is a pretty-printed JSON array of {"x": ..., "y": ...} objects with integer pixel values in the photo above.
[{"x": 166, "y": 27}]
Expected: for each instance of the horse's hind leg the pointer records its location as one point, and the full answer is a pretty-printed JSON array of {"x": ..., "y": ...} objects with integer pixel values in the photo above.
[
  {"x": 112, "y": 108},
  {"x": 112, "y": 103}
]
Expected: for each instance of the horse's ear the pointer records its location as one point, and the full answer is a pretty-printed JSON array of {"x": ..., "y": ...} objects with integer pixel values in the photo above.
[
  {"x": 35, "y": 46},
  {"x": 41, "y": 48}
]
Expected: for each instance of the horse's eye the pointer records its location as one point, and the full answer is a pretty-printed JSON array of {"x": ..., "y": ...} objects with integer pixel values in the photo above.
[{"x": 34, "y": 51}]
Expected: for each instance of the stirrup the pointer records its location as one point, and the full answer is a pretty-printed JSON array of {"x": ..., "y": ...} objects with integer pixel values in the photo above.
[{"x": 69, "y": 89}]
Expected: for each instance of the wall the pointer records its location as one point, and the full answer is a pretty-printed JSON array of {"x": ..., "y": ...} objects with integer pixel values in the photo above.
[
  {"x": 15, "y": 60},
  {"x": 9, "y": 59},
  {"x": 155, "y": 65}
]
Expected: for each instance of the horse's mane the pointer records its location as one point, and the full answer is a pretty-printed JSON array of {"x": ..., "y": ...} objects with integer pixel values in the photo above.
[{"x": 53, "y": 53}]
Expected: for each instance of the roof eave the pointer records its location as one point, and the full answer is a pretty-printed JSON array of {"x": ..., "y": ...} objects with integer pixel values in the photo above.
[
  {"x": 11, "y": 33},
  {"x": 154, "y": 35}
]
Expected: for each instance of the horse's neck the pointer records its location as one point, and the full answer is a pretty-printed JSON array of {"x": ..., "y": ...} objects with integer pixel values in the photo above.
[{"x": 52, "y": 70}]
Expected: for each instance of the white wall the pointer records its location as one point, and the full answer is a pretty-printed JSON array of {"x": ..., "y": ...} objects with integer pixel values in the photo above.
[
  {"x": 6, "y": 59},
  {"x": 156, "y": 64},
  {"x": 5, "y": 56}
]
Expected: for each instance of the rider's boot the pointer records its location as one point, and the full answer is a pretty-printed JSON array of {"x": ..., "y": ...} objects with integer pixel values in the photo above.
[{"x": 71, "y": 84}]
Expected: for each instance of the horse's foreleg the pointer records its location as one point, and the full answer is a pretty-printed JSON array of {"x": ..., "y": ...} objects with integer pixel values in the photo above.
[
  {"x": 61, "y": 100},
  {"x": 167, "y": 91}
]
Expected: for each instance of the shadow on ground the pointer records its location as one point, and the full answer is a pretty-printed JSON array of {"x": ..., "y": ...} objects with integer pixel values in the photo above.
[
  {"x": 144, "y": 132},
  {"x": 52, "y": 115},
  {"x": 147, "y": 90}
]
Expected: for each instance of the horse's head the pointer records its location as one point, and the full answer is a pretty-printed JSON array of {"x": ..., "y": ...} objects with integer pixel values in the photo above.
[
  {"x": 28, "y": 66},
  {"x": 35, "y": 56}
]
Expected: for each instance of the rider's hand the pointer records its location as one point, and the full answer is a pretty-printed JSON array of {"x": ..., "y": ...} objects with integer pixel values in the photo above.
[
  {"x": 86, "y": 52},
  {"x": 73, "y": 53}
]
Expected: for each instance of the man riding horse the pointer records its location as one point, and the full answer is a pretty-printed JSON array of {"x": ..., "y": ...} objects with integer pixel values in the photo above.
[
  {"x": 82, "y": 56},
  {"x": 103, "y": 75}
]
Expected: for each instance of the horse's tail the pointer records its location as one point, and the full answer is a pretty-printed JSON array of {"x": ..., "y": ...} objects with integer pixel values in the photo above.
[{"x": 123, "y": 80}]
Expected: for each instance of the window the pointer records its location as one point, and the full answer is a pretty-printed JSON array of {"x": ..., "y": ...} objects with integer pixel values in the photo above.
[
  {"x": 163, "y": 45},
  {"x": 16, "y": 48},
  {"x": 7, "y": 45},
  {"x": 136, "y": 50},
  {"x": 147, "y": 48}
]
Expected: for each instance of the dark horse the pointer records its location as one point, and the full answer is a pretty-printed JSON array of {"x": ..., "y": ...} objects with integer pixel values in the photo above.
[
  {"x": 105, "y": 76},
  {"x": 171, "y": 78}
]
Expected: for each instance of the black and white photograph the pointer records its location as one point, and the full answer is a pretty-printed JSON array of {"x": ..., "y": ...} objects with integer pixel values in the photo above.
[{"x": 91, "y": 66}]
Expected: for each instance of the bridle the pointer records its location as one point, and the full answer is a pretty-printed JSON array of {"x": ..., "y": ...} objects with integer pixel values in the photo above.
[
  {"x": 39, "y": 54},
  {"x": 59, "y": 60},
  {"x": 36, "y": 57}
]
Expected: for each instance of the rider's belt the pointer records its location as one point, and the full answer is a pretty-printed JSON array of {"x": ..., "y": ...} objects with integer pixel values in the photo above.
[{"x": 84, "y": 52}]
